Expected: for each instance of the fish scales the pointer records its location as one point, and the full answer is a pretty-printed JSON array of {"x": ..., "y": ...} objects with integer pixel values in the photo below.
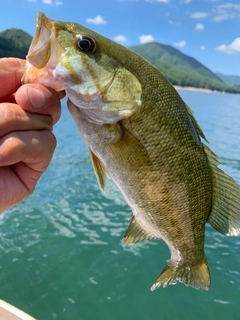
[
  {"x": 144, "y": 137},
  {"x": 165, "y": 186}
]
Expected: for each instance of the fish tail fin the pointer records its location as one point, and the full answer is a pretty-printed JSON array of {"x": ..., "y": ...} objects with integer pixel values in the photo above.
[
  {"x": 225, "y": 214},
  {"x": 196, "y": 276}
]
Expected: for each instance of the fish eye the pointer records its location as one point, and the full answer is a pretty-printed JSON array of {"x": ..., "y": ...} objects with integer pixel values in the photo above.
[{"x": 86, "y": 44}]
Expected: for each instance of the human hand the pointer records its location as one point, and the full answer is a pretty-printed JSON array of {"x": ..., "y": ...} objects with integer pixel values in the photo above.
[{"x": 27, "y": 114}]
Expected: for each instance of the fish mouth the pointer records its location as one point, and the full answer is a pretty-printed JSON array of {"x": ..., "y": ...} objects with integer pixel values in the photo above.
[
  {"x": 44, "y": 54},
  {"x": 40, "y": 49}
]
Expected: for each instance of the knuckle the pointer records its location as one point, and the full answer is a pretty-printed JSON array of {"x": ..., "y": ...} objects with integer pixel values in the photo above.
[
  {"x": 47, "y": 119},
  {"x": 51, "y": 141}
]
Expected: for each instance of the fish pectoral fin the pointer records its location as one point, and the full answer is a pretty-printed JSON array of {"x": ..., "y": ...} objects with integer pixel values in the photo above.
[
  {"x": 98, "y": 169},
  {"x": 131, "y": 152},
  {"x": 194, "y": 121},
  {"x": 135, "y": 233},
  {"x": 225, "y": 214},
  {"x": 196, "y": 276}
]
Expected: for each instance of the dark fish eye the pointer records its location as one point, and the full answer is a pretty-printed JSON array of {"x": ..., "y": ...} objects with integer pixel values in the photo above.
[{"x": 86, "y": 44}]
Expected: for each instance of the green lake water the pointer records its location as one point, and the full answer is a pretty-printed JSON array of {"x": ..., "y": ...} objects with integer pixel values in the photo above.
[{"x": 61, "y": 255}]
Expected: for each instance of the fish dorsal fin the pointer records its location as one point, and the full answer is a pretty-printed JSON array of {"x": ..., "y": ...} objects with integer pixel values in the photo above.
[
  {"x": 98, "y": 169},
  {"x": 194, "y": 121},
  {"x": 225, "y": 214},
  {"x": 135, "y": 233}
]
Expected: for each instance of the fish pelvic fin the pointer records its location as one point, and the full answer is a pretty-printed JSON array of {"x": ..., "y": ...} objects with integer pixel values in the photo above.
[
  {"x": 135, "y": 233},
  {"x": 225, "y": 214},
  {"x": 98, "y": 170},
  {"x": 196, "y": 276}
]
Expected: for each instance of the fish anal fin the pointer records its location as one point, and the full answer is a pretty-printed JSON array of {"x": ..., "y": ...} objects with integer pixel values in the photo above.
[
  {"x": 135, "y": 233},
  {"x": 225, "y": 213},
  {"x": 98, "y": 169},
  {"x": 196, "y": 276}
]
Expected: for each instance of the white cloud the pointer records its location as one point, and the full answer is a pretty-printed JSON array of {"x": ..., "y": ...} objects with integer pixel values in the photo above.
[
  {"x": 97, "y": 20},
  {"x": 202, "y": 48},
  {"x": 186, "y": 1},
  {"x": 223, "y": 15},
  {"x": 146, "y": 38},
  {"x": 219, "y": 12},
  {"x": 120, "y": 38},
  {"x": 174, "y": 23},
  {"x": 160, "y": 1},
  {"x": 199, "y": 15},
  {"x": 199, "y": 27},
  {"x": 227, "y": 11},
  {"x": 231, "y": 48},
  {"x": 180, "y": 44},
  {"x": 229, "y": 6},
  {"x": 56, "y": 2}
]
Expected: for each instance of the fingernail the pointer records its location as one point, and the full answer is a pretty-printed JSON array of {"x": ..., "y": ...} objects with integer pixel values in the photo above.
[{"x": 36, "y": 97}]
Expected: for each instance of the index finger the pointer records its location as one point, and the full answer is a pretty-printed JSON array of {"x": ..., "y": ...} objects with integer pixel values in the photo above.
[{"x": 11, "y": 72}]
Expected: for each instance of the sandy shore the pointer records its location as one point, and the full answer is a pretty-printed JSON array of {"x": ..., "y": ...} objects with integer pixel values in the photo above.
[
  {"x": 195, "y": 89},
  {"x": 203, "y": 90}
]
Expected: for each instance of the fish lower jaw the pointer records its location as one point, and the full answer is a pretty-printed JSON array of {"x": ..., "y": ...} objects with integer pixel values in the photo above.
[{"x": 44, "y": 77}]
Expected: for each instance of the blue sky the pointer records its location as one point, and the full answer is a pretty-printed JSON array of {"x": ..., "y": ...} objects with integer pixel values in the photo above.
[{"x": 208, "y": 30}]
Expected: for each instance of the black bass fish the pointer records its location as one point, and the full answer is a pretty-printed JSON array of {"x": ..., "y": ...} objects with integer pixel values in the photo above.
[{"x": 144, "y": 137}]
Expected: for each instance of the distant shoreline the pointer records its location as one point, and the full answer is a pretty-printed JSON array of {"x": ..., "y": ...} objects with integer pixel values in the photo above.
[
  {"x": 203, "y": 90},
  {"x": 197, "y": 89}
]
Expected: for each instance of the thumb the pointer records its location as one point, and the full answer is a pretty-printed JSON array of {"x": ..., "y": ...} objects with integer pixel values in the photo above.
[{"x": 36, "y": 98}]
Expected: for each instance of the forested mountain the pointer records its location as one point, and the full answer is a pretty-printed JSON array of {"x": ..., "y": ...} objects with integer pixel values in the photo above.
[
  {"x": 179, "y": 68},
  {"x": 14, "y": 43},
  {"x": 230, "y": 80}
]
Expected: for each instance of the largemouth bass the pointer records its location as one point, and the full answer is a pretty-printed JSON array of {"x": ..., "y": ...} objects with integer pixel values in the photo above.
[{"x": 144, "y": 137}]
